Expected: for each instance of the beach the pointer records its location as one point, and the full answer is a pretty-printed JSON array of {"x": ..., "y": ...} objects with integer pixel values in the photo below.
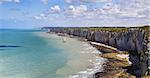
[
  {"x": 87, "y": 54},
  {"x": 39, "y": 54},
  {"x": 43, "y": 55},
  {"x": 110, "y": 62}
]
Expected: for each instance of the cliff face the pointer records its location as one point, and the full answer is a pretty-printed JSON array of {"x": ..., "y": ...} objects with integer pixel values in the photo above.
[{"x": 132, "y": 40}]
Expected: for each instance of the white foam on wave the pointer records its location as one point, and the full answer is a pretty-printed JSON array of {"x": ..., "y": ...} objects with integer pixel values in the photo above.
[
  {"x": 96, "y": 63},
  {"x": 90, "y": 49}
]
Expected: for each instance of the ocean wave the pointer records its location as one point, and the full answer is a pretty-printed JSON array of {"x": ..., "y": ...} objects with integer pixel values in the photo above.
[{"x": 96, "y": 63}]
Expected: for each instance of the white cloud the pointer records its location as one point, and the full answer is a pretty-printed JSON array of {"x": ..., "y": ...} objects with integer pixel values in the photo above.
[
  {"x": 82, "y": 11},
  {"x": 120, "y": 12},
  {"x": 87, "y": 1},
  {"x": 1, "y": 2},
  {"x": 15, "y": 1},
  {"x": 75, "y": 11},
  {"x": 39, "y": 17},
  {"x": 55, "y": 9},
  {"x": 135, "y": 8},
  {"x": 68, "y": 1},
  {"x": 124, "y": 9},
  {"x": 45, "y": 1},
  {"x": 131, "y": 9},
  {"x": 110, "y": 8},
  {"x": 95, "y": 1}
]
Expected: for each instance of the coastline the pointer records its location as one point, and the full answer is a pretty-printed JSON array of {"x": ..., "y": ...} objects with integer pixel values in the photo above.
[
  {"x": 96, "y": 63},
  {"x": 115, "y": 66},
  {"x": 131, "y": 40},
  {"x": 111, "y": 66}
]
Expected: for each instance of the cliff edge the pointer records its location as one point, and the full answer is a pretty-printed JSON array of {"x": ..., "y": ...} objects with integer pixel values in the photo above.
[{"x": 134, "y": 40}]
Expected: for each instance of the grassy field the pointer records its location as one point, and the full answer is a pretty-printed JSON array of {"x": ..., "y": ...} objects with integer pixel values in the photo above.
[{"x": 111, "y": 29}]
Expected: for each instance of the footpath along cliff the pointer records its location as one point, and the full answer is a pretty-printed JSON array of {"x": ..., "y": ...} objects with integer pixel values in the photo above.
[{"x": 134, "y": 40}]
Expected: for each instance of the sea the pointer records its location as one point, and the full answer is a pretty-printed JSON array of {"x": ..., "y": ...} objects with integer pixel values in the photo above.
[{"x": 37, "y": 54}]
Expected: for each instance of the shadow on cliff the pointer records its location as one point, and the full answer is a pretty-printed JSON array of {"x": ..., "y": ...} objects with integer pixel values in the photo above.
[
  {"x": 134, "y": 68},
  {"x": 131, "y": 70}
]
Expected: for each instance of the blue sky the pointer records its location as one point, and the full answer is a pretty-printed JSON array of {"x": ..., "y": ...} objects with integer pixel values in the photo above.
[{"x": 38, "y": 13}]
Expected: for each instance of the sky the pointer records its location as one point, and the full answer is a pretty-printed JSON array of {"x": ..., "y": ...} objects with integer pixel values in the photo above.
[{"x": 54, "y": 13}]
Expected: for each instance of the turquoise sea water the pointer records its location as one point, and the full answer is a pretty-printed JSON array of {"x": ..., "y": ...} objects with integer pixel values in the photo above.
[
  {"x": 33, "y": 59},
  {"x": 40, "y": 55}
]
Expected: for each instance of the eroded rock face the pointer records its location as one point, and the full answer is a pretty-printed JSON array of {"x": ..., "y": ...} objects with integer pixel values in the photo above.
[
  {"x": 112, "y": 39},
  {"x": 126, "y": 40},
  {"x": 140, "y": 41},
  {"x": 131, "y": 41}
]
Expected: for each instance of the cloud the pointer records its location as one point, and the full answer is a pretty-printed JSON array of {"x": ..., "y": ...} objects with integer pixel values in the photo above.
[
  {"x": 45, "y": 1},
  {"x": 120, "y": 12},
  {"x": 87, "y": 1},
  {"x": 95, "y": 1},
  {"x": 69, "y": 1},
  {"x": 134, "y": 10},
  {"x": 110, "y": 8},
  {"x": 55, "y": 9},
  {"x": 39, "y": 17},
  {"x": 75, "y": 11},
  {"x": 82, "y": 11},
  {"x": 15, "y": 1}
]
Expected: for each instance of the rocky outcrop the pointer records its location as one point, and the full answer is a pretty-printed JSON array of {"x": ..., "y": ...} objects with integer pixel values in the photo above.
[{"x": 131, "y": 40}]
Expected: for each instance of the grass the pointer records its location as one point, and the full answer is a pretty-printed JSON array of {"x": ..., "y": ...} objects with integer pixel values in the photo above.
[{"x": 111, "y": 29}]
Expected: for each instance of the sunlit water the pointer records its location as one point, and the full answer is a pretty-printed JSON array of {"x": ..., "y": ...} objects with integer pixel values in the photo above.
[{"x": 40, "y": 55}]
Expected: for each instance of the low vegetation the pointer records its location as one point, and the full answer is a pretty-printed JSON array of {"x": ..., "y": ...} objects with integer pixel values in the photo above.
[{"x": 111, "y": 29}]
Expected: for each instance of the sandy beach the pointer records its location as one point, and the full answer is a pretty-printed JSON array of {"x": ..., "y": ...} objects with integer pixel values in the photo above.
[
  {"x": 89, "y": 55},
  {"x": 96, "y": 63},
  {"x": 105, "y": 65}
]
